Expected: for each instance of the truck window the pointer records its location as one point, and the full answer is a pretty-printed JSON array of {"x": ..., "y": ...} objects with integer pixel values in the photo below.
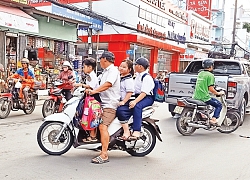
[
  {"x": 224, "y": 67},
  {"x": 194, "y": 67},
  {"x": 220, "y": 67}
]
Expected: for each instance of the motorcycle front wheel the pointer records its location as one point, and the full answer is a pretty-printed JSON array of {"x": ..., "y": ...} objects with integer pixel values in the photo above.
[
  {"x": 230, "y": 123},
  {"x": 149, "y": 142},
  {"x": 5, "y": 108},
  {"x": 47, "y": 134},
  {"x": 48, "y": 107},
  {"x": 31, "y": 104},
  {"x": 181, "y": 123}
]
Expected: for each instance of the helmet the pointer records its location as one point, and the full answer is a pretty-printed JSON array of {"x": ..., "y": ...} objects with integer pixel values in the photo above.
[
  {"x": 142, "y": 61},
  {"x": 25, "y": 60},
  {"x": 108, "y": 55},
  {"x": 67, "y": 63},
  {"x": 207, "y": 63}
]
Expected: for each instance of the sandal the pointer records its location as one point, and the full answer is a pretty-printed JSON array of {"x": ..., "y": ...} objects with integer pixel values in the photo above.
[
  {"x": 132, "y": 138},
  {"x": 99, "y": 160},
  {"x": 90, "y": 139},
  {"x": 214, "y": 124}
]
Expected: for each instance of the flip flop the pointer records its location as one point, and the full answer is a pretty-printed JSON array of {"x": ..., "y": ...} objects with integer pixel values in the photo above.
[
  {"x": 132, "y": 138},
  {"x": 99, "y": 160},
  {"x": 214, "y": 124}
]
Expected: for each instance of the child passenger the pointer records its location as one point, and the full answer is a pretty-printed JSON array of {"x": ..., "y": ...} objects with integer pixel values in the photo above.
[
  {"x": 89, "y": 66},
  {"x": 127, "y": 89}
]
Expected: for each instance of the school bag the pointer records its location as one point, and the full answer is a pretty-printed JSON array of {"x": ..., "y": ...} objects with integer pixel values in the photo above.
[
  {"x": 91, "y": 117},
  {"x": 158, "y": 91},
  {"x": 78, "y": 115}
]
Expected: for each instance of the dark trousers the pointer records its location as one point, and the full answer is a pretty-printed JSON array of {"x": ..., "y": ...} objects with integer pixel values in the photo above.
[
  {"x": 217, "y": 105},
  {"x": 124, "y": 113},
  {"x": 67, "y": 94}
]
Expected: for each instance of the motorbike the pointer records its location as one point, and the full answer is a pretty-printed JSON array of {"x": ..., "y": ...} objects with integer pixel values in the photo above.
[
  {"x": 11, "y": 101},
  {"x": 58, "y": 133},
  {"x": 56, "y": 100},
  {"x": 195, "y": 114}
]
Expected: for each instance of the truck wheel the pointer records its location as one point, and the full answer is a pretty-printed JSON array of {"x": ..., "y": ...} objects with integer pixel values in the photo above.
[{"x": 242, "y": 111}]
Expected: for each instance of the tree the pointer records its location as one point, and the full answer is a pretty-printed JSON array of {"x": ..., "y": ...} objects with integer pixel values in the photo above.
[{"x": 246, "y": 26}]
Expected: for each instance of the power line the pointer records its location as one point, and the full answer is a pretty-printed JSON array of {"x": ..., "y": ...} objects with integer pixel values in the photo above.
[{"x": 108, "y": 21}]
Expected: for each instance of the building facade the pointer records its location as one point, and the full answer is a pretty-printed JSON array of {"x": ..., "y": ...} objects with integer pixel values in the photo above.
[{"x": 158, "y": 32}]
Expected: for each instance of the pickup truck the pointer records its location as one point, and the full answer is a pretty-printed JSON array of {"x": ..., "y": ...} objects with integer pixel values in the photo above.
[{"x": 230, "y": 74}]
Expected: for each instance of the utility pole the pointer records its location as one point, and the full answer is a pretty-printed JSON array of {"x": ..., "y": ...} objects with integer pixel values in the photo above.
[
  {"x": 90, "y": 50},
  {"x": 234, "y": 29}
]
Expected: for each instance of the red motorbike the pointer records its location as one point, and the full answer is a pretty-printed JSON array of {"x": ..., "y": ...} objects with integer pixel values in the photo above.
[
  {"x": 10, "y": 101},
  {"x": 56, "y": 99}
]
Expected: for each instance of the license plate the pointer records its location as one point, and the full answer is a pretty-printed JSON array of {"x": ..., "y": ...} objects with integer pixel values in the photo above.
[{"x": 178, "y": 110}]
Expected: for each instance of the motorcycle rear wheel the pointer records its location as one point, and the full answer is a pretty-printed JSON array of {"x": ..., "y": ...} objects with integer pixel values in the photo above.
[
  {"x": 150, "y": 142},
  {"x": 181, "y": 123},
  {"x": 230, "y": 123},
  {"x": 5, "y": 108},
  {"x": 46, "y": 141},
  {"x": 48, "y": 108}
]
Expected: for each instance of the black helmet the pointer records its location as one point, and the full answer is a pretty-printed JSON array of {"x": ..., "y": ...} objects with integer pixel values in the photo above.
[
  {"x": 142, "y": 61},
  {"x": 108, "y": 55},
  {"x": 207, "y": 63}
]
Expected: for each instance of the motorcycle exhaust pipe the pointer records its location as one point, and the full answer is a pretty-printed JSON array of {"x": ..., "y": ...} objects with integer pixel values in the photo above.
[{"x": 196, "y": 125}]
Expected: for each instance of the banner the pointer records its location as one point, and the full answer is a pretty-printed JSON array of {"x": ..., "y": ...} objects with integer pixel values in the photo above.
[
  {"x": 201, "y": 7},
  {"x": 18, "y": 22}
]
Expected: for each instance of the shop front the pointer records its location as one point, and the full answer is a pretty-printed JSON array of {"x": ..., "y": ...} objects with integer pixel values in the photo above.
[
  {"x": 162, "y": 56},
  {"x": 14, "y": 23}
]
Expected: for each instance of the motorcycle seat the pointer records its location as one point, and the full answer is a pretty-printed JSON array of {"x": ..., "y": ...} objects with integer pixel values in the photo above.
[{"x": 197, "y": 102}]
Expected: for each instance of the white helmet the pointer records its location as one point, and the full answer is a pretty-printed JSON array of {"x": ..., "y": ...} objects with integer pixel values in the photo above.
[{"x": 67, "y": 63}]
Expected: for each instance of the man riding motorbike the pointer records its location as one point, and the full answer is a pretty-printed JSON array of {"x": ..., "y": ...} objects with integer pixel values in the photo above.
[
  {"x": 26, "y": 78},
  {"x": 205, "y": 84}
]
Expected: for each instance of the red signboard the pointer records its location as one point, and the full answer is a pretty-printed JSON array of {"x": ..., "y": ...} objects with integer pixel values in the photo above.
[{"x": 202, "y": 7}]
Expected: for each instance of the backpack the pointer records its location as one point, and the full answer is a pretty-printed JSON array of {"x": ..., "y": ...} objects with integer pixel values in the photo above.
[
  {"x": 158, "y": 91},
  {"x": 78, "y": 115},
  {"x": 91, "y": 117}
]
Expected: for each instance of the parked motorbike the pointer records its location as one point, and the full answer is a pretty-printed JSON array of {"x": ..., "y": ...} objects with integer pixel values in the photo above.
[
  {"x": 58, "y": 133},
  {"x": 196, "y": 114},
  {"x": 56, "y": 100},
  {"x": 11, "y": 101}
]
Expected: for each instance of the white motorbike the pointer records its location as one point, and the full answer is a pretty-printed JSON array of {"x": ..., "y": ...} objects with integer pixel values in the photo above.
[
  {"x": 57, "y": 133},
  {"x": 195, "y": 114}
]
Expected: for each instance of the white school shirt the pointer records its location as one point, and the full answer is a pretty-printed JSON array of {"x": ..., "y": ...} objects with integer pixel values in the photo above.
[
  {"x": 146, "y": 85},
  {"x": 93, "y": 81},
  {"x": 127, "y": 85},
  {"x": 110, "y": 97}
]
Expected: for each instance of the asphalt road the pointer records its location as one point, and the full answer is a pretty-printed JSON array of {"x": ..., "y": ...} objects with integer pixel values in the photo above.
[{"x": 202, "y": 156}]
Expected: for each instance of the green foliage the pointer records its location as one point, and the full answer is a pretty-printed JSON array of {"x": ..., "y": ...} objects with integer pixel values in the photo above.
[{"x": 246, "y": 26}]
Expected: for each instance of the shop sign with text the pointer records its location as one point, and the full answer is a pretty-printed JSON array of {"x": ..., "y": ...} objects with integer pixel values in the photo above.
[
  {"x": 145, "y": 28},
  {"x": 18, "y": 22},
  {"x": 200, "y": 30},
  {"x": 167, "y": 8},
  {"x": 201, "y": 7}
]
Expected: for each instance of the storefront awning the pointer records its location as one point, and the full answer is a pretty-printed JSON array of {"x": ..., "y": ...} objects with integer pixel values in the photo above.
[{"x": 17, "y": 19}]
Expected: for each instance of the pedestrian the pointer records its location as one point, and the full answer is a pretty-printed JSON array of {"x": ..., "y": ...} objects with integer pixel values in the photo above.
[{"x": 109, "y": 90}]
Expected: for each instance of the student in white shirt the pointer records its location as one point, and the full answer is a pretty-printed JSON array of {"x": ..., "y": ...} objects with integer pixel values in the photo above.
[
  {"x": 127, "y": 89},
  {"x": 89, "y": 66},
  {"x": 144, "y": 85}
]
